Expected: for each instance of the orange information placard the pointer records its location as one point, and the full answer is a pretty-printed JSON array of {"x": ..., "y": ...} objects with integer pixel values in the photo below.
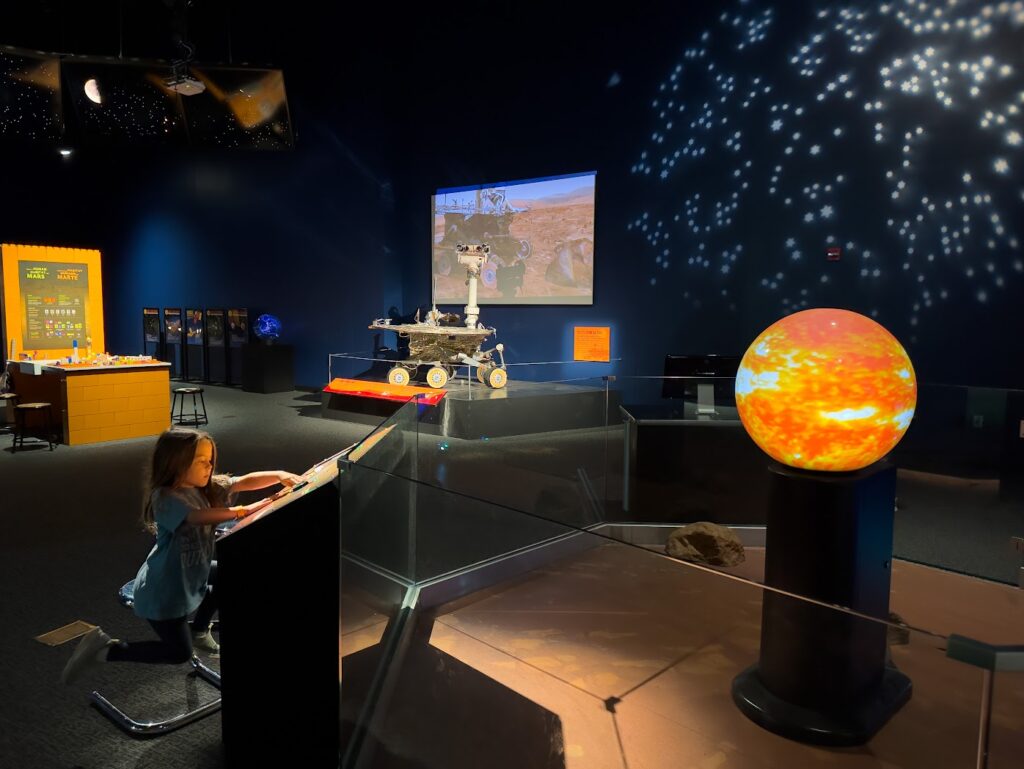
[
  {"x": 52, "y": 297},
  {"x": 593, "y": 343}
]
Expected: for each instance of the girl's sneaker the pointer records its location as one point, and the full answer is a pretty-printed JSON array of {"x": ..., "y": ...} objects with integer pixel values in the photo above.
[
  {"x": 204, "y": 642},
  {"x": 91, "y": 650}
]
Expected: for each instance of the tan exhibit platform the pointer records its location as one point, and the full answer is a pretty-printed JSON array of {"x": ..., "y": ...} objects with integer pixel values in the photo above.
[
  {"x": 635, "y": 655},
  {"x": 102, "y": 403}
]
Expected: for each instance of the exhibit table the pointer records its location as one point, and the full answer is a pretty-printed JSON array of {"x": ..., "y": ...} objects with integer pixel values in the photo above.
[{"x": 94, "y": 403}]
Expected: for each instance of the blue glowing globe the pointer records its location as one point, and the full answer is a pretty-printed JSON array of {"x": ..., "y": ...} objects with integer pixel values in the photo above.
[{"x": 268, "y": 327}]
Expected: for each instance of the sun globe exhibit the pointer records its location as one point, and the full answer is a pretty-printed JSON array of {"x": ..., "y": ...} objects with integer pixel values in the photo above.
[
  {"x": 826, "y": 389},
  {"x": 827, "y": 393}
]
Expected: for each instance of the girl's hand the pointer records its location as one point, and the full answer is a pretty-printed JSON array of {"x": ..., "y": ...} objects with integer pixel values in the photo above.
[
  {"x": 287, "y": 479},
  {"x": 242, "y": 511}
]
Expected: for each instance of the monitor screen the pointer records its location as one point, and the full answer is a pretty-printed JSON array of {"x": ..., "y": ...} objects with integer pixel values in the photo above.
[
  {"x": 194, "y": 326},
  {"x": 238, "y": 327},
  {"x": 172, "y": 325},
  {"x": 151, "y": 324},
  {"x": 215, "y": 328},
  {"x": 541, "y": 238},
  {"x": 678, "y": 367}
]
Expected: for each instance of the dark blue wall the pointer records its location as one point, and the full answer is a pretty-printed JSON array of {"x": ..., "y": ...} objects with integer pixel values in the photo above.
[
  {"x": 688, "y": 259},
  {"x": 734, "y": 144}
]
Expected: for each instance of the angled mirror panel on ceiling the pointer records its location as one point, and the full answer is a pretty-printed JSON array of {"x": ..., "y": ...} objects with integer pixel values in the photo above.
[{"x": 30, "y": 104}]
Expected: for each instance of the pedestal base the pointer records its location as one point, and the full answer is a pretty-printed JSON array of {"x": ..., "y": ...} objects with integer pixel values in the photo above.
[
  {"x": 823, "y": 676},
  {"x": 850, "y": 724}
]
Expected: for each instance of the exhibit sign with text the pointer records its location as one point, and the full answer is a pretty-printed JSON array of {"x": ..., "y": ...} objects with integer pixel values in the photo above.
[
  {"x": 592, "y": 343},
  {"x": 52, "y": 299}
]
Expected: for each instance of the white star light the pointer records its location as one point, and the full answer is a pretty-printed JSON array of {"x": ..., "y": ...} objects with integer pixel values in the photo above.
[
  {"x": 1001, "y": 166},
  {"x": 1013, "y": 138}
]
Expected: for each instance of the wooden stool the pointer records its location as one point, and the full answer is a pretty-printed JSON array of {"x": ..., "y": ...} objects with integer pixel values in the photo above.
[
  {"x": 197, "y": 418},
  {"x": 21, "y": 412}
]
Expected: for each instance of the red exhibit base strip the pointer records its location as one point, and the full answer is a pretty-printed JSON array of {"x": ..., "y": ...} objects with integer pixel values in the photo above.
[{"x": 384, "y": 391}]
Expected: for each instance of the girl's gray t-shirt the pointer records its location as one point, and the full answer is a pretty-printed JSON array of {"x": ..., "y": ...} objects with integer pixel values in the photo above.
[{"x": 172, "y": 581}]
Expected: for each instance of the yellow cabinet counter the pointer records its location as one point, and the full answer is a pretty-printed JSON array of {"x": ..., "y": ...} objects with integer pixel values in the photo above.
[{"x": 93, "y": 404}]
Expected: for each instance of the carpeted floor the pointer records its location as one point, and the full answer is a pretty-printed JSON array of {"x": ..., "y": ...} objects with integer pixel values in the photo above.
[{"x": 69, "y": 538}]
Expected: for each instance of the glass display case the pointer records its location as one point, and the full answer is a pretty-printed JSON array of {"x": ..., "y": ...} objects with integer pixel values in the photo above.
[{"x": 500, "y": 607}]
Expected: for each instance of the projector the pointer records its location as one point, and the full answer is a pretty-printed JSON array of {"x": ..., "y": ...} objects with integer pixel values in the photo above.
[{"x": 186, "y": 85}]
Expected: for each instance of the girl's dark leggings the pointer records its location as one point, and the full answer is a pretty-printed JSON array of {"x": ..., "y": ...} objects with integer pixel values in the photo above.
[{"x": 175, "y": 644}]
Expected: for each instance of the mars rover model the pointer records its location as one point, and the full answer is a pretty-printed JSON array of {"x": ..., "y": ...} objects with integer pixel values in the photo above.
[{"x": 441, "y": 343}]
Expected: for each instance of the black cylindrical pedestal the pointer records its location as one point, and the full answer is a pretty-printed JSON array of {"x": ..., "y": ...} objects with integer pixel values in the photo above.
[{"x": 822, "y": 676}]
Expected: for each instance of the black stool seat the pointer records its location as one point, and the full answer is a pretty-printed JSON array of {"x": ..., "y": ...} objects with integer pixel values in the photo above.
[
  {"x": 198, "y": 409},
  {"x": 151, "y": 728},
  {"x": 21, "y": 411}
]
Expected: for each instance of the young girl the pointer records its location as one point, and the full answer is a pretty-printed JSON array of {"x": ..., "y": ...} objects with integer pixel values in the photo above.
[{"x": 185, "y": 501}]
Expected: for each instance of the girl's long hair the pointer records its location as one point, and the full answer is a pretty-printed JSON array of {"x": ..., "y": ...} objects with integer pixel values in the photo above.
[{"x": 172, "y": 457}]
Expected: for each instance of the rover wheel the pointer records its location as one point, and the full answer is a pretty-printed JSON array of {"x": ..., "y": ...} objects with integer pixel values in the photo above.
[
  {"x": 497, "y": 378},
  {"x": 481, "y": 373},
  {"x": 437, "y": 377},
  {"x": 398, "y": 376},
  {"x": 524, "y": 250}
]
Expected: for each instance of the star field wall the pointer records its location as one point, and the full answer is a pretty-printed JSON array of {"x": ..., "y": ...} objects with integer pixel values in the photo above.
[{"x": 779, "y": 121}]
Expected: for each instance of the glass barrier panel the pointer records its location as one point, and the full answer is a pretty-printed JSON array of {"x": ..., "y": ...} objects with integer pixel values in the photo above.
[
  {"x": 687, "y": 459},
  {"x": 639, "y": 479},
  {"x": 370, "y": 366},
  {"x": 546, "y": 451},
  {"x": 485, "y": 636},
  {"x": 357, "y": 365},
  {"x": 1006, "y": 727},
  {"x": 961, "y": 481}
]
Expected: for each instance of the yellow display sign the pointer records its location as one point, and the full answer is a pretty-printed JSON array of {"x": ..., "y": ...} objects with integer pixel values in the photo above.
[
  {"x": 52, "y": 297},
  {"x": 592, "y": 343}
]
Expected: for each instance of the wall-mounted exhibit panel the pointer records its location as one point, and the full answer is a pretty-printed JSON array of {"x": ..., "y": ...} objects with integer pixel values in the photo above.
[
  {"x": 195, "y": 345},
  {"x": 172, "y": 340},
  {"x": 238, "y": 336},
  {"x": 52, "y": 300},
  {"x": 152, "y": 336},
  {"x": 216, "y": 347}
]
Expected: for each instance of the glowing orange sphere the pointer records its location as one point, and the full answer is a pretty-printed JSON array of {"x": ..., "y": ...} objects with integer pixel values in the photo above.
[{"x": 826, "y": 390}]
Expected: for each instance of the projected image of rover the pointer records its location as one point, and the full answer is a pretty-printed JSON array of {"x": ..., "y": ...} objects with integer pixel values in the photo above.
[
  {"x": 442, "y": 343},
  {"x": 487, "y": 220}
]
